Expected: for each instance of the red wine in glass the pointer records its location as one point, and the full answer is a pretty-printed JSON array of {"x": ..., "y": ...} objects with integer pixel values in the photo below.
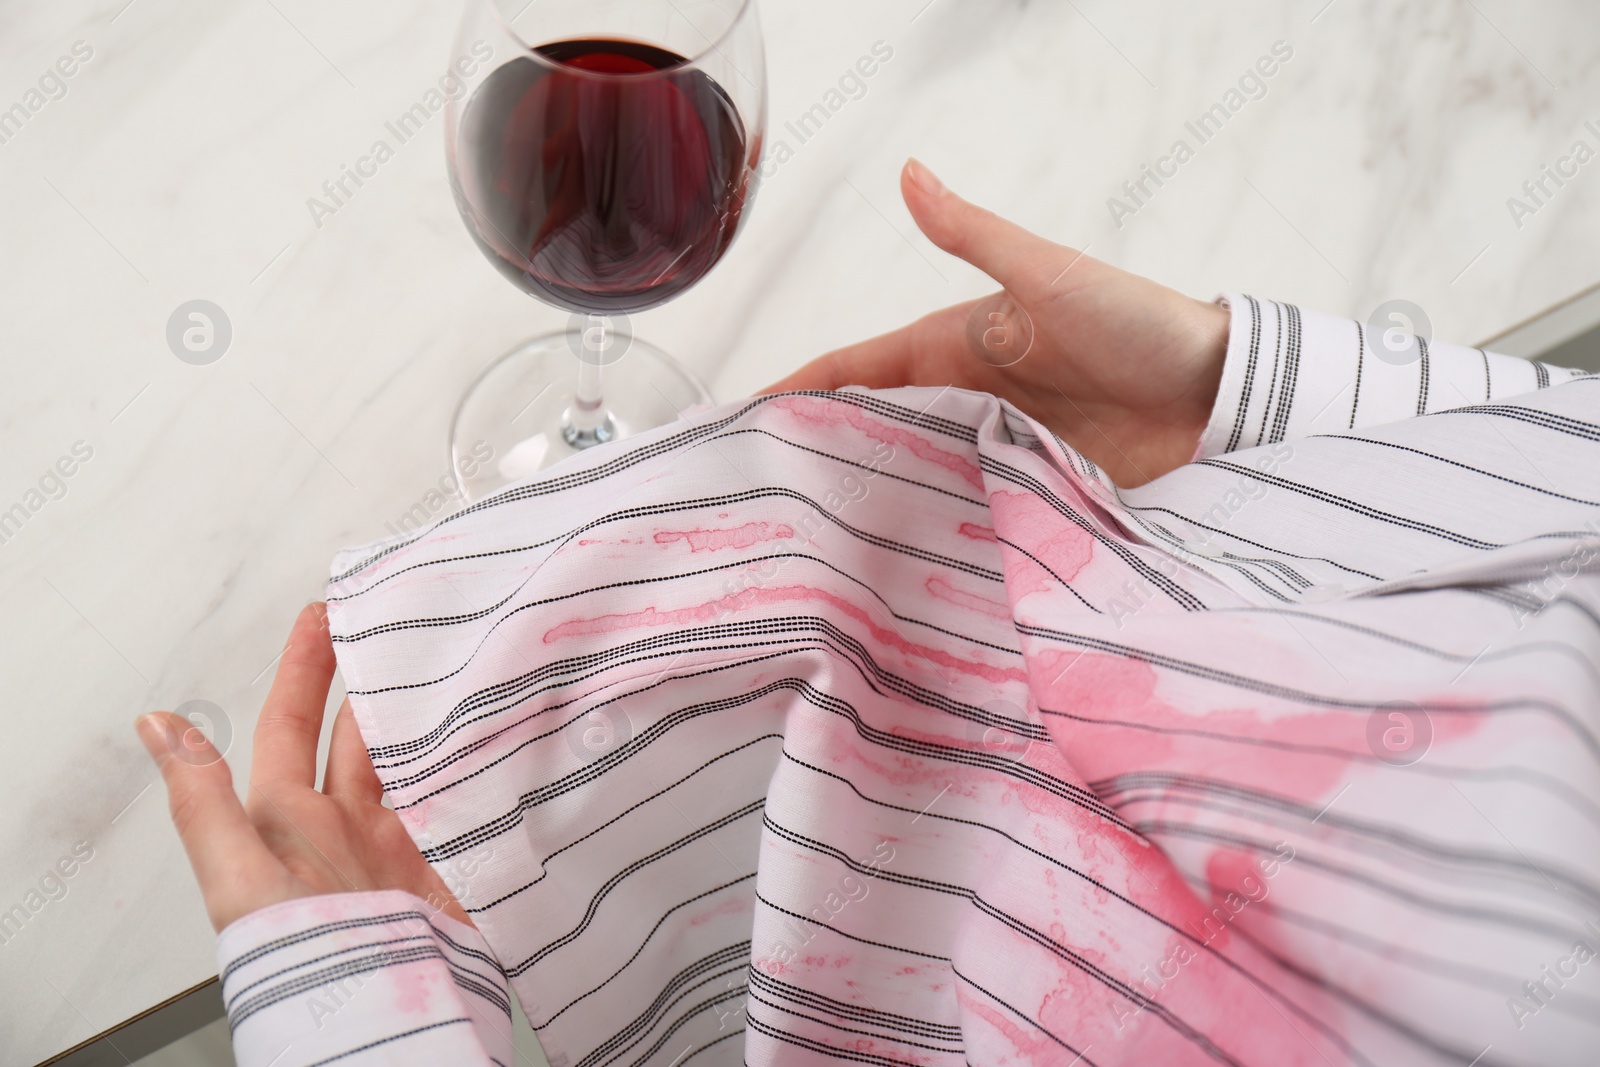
[
  {"x": 602, "y": 154},
  {"x": 602, "y": 194}
]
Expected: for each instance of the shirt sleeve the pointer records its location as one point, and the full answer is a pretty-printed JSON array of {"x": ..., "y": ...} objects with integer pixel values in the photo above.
[
  {"x": 362, "y": 978},
  {"x": 1291, "y": 374}
]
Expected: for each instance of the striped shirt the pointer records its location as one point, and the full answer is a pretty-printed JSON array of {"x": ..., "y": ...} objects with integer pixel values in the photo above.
[{"x": 881, "y": 728}]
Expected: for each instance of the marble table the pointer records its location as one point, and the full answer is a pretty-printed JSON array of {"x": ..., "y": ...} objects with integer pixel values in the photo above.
[{"x": 203, "y": 501}]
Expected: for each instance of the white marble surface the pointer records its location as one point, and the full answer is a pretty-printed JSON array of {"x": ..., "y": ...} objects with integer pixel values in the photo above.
[{"x": 178, "y": 164}]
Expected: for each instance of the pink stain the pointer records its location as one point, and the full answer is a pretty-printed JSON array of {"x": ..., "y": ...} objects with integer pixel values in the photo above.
[
  {"x": 822, "y": 962},
  {"x": 884, "y": 1050},
  {"x": 943, "y": 590},
  {"x": 1061, "y": 1006},
  {"x": 1132, "y": 729},
  {"x": 413, "y": 987},
  {"x": 1044, "y": 534},
  {"x": 738, "y": 537},
  {"x": 1028, "y": 1042},
  {"x": 913, "y": 771},
  {"x": 976, "y": 532},
  {"x": 1236, "y": 874},
  {"x": 417, "y": 817},
  {"x": 1201, "y": 992},
  {"x": 325, "y": 909},
  {"x": 737, "y": 905},
  {"x": 725, "y": 607},
  {"x": 835, "y": 415}
]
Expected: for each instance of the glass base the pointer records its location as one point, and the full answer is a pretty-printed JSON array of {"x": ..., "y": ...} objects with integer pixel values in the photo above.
[{"x": 518, "y": 417}]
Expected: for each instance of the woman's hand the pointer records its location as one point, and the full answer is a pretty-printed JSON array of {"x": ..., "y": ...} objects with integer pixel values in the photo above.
[
  {"x": 1123, "y": 369},
  {"x": 288, "y": 840}
]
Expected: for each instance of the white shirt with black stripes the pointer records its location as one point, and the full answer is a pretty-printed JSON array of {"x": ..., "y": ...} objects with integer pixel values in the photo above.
[{"x": 880, "y": 727}]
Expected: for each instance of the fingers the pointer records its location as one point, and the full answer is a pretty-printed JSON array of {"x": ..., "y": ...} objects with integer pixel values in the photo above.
[
  {"x": 1029, "y": 266},
  {"x": 918, "y": 354},
  {"x": 881, "y": 363},
  {"x": 230, "y": 861},
  {"x": 350, "y": 775},
  {"x": 291, "y": 719}
]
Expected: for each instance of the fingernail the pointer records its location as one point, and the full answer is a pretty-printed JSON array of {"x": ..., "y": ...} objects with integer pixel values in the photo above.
[
  {"x": 923, "y": 178},
  {"x": 155, "y": 733}
]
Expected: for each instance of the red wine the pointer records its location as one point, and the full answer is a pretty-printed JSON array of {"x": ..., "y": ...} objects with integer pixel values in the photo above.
[{"x": 602, "y": 193}]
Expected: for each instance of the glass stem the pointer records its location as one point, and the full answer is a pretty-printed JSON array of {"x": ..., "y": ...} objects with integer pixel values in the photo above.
[{"x": 587, "y": 423}]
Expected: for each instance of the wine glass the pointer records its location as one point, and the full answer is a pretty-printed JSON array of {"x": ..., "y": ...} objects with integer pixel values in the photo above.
[{"x": 601, "y": 153}]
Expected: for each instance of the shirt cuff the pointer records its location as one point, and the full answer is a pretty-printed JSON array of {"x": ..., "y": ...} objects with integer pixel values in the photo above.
[
  {"x": 358, "y": 978},
  {"x": 1291, "y": 374}
]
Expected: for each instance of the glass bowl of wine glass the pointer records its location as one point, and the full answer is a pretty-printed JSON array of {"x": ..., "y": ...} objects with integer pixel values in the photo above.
[{"x": 602, "y": 157}]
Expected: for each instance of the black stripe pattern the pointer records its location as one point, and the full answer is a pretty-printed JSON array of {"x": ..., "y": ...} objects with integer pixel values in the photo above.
[{"x": 909, "y": 738}]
